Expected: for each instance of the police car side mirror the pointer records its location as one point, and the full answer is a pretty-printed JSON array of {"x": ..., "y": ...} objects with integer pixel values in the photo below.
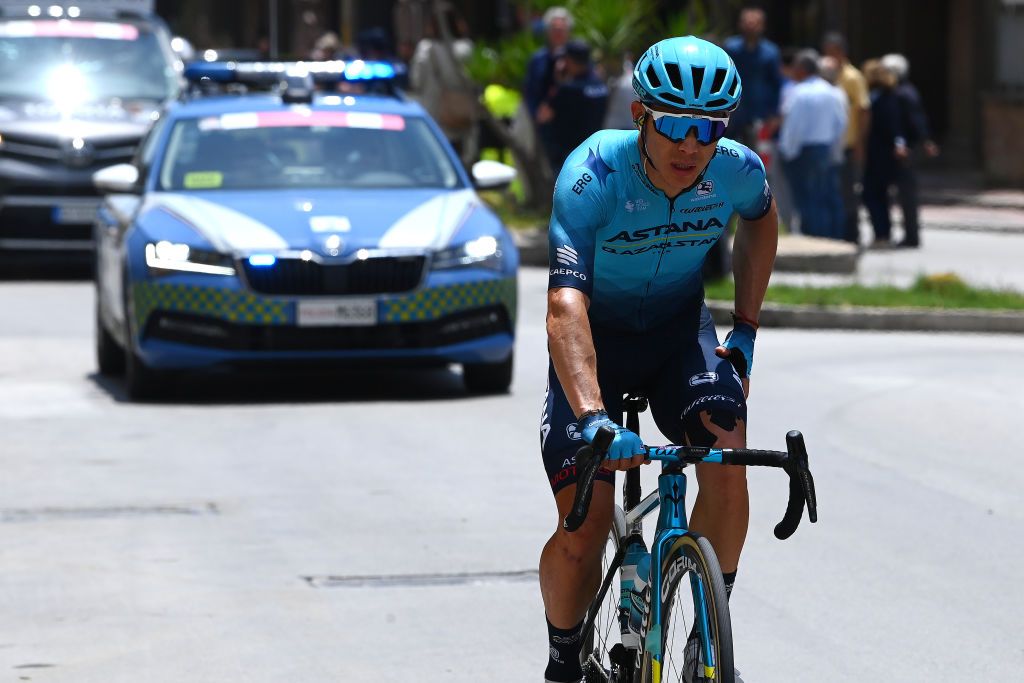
[
  {"x": 117, "y": 179},
  {"x": 492, "y": 175}
]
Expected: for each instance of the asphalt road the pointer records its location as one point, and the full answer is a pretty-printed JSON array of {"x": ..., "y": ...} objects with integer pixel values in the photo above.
[{"x": 370, "y": 527}]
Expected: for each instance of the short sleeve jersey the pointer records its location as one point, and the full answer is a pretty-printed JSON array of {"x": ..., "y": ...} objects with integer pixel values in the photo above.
[{"x": 634, "y": 251}]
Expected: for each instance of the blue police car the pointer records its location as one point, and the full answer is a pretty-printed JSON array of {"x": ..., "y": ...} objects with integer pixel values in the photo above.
[{"x": 263, "y": 219}]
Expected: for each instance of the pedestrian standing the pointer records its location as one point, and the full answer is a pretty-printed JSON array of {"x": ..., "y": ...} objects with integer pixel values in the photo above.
[
  {"x": 757, "y": 60},
  {"x": 828, "y": 69},
  {"x": 578, "y": 103},
  {"x": 439, "y": 83},
  {"x": 813, "y": 123},
  {"x": 886, "y": 148},
  {"x": 540, "y": 75},
  {"x": 917, "y": 133},
  {"x": 852, "y": 82}
]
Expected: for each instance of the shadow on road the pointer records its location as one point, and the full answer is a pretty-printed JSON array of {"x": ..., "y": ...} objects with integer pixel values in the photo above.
[{"x": 306, "y": 385}]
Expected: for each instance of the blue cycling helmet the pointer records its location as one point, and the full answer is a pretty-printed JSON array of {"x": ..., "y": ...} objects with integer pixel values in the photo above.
[{"x": 687, "y": 73}]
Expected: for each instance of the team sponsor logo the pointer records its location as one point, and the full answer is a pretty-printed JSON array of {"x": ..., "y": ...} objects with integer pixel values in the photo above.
[
  {"x": 727, "y": 151},
  {"x": 705, "y": 188},
  {"x": 704, "y": 378},
  {"x": 568, "y": 271},
  {"x": 566, "y": 255},
  {"x": 632, "y": 205},
  {"x": 717, "y": 398},
  {"x": 681, "y": 564},
  {"x": 644, "y": 234},
  {"x": 701, "y": 209},
  {"x": 563, "y": 474},
  {"x": 573, "y": 433},
  {"x": 582, "y": 182},
  {"x": 628, "y": 243}
]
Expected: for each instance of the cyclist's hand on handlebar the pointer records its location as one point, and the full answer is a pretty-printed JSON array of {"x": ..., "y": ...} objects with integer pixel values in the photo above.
[{"x": 626, "y": 450}]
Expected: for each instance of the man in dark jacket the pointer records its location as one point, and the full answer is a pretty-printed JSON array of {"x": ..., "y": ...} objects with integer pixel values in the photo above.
[
  {"x": 577, "y": 105},
  {"x": 540, "y": 72},
  {"x": 914, "y": 122}
]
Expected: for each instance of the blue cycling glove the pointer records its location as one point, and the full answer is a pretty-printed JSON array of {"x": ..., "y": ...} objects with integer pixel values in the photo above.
[
  {"x": 626, "y": 444},
  {"x": 741, "y": 339}
]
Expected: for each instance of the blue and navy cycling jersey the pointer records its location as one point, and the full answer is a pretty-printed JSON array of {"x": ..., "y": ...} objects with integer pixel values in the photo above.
[{"x": 636, "y": 253}]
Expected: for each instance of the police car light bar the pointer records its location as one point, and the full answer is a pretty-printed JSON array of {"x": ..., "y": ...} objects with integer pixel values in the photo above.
[
  {"x": 59, "y": 9},
  {"x": 270, "y": 73}
]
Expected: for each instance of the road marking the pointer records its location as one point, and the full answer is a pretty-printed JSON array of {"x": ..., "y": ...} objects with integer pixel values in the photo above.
[{"x": 420, "y": 580}]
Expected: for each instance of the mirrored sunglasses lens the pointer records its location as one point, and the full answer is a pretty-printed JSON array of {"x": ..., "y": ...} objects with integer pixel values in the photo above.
[{"x": 676, "y": 128}]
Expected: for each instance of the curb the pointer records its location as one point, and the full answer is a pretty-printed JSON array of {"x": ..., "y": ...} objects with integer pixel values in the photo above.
[{"x": 878, "y": 319}]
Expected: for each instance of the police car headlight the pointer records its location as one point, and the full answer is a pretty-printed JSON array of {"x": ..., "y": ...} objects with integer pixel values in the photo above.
[
  {"x": 164, "y": 258},
  {"x": 482, "y": 252}
]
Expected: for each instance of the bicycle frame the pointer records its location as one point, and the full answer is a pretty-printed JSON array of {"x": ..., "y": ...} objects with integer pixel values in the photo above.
[
  {"x": 672, "y": 528},
  {"x": 670, "y": 497}
]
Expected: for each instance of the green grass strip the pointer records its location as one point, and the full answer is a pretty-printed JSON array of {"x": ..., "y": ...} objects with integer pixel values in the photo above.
[{"x": 943, "y": 291}]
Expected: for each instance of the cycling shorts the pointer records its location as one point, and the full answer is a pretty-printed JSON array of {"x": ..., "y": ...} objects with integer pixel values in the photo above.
[{"x": 675, "y": 367}]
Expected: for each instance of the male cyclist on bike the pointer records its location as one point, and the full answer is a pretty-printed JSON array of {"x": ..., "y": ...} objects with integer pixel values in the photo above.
[{"x": 635, "y": 213}]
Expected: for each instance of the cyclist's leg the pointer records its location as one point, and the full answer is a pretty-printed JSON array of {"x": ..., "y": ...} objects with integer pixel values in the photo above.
[
  {"x": 700, "y": 402},
  {"x": 570, "y": 564}
]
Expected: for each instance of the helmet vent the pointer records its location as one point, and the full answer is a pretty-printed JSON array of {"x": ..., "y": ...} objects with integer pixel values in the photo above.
[
  {"x": 716, "y": 103},
  {"x": 698, "y": 79},
  {"x": 674, "y": 77},
  {"x": 653, "y": 77},
  {"x": 716, "y": 85},
  {"x": 672, "y": 98},
  {"x": 735, "y": 85}
]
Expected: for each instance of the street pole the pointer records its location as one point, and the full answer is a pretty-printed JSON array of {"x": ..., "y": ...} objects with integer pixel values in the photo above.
[{"x": 273, "y": 28}]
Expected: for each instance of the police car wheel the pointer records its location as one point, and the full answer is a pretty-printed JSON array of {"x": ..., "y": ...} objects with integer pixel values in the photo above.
[
  {"x": 488, "y": 378},
  {"x": 109, "y": 355}
]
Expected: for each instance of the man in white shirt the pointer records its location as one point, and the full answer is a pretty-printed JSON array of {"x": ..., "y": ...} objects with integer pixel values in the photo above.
[{"x": 813, "y": 124}]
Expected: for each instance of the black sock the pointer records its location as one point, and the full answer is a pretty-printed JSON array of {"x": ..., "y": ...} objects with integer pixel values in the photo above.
[
  {"x": 564, "y": 654},
  {"x": 730, "y": 579}
]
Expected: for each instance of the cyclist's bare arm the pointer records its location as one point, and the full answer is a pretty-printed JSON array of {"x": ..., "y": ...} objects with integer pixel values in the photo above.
[
  {"x": 752, "y": 259},
  {"x": 571, "y": 346}
]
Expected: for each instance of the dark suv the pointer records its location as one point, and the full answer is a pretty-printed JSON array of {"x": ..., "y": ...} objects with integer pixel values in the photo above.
[{"x": 80, "y": 83}]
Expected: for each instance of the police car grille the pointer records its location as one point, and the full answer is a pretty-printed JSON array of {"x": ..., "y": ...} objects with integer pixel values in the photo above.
[{"x": 383, "y": 275}]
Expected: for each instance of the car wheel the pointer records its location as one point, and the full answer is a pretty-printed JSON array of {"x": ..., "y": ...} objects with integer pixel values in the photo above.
[
  {"x": 488, "y": 378},
  {"x": 141, "y": 381},
  {"x": 109, "y": 355}
]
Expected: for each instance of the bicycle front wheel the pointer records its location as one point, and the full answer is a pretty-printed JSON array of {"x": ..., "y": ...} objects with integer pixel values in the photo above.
[
  {"x": 691, "y": 563},
  {"x": 603, "y": 658}
]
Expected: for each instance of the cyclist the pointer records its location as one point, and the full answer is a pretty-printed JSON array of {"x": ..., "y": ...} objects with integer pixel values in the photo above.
[{"x": 635, "y": 213}]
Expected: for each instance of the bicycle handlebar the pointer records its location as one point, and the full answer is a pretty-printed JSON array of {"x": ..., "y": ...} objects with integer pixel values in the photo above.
[{"x": 794, "y": 461}]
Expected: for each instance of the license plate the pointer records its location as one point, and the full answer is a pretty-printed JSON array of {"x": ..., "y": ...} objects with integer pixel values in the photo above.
[
  {"x": 337, "y": 313},
  {"x": 74, "y": 214}
]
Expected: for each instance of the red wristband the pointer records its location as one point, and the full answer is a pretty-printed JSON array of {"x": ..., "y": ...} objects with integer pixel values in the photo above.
[{"x": 737, "y": 318}]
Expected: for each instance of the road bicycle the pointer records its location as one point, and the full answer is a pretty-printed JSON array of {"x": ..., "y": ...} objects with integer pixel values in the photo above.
[{"x": 641, "y": 628}]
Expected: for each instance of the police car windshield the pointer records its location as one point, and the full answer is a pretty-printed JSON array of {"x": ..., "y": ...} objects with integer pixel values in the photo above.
[
  {"x": 68, "y": 64},
  {"x": 296, "y": 149}
]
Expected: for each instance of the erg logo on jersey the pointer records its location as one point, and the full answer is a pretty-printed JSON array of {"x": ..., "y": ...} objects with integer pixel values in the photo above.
[{"x": 582, "y": 182}]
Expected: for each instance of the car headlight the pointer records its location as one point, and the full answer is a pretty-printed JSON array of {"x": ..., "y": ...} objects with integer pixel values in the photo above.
[
  {"x": 165, "y": 257},
  {"x": 481, "y": 252}
]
